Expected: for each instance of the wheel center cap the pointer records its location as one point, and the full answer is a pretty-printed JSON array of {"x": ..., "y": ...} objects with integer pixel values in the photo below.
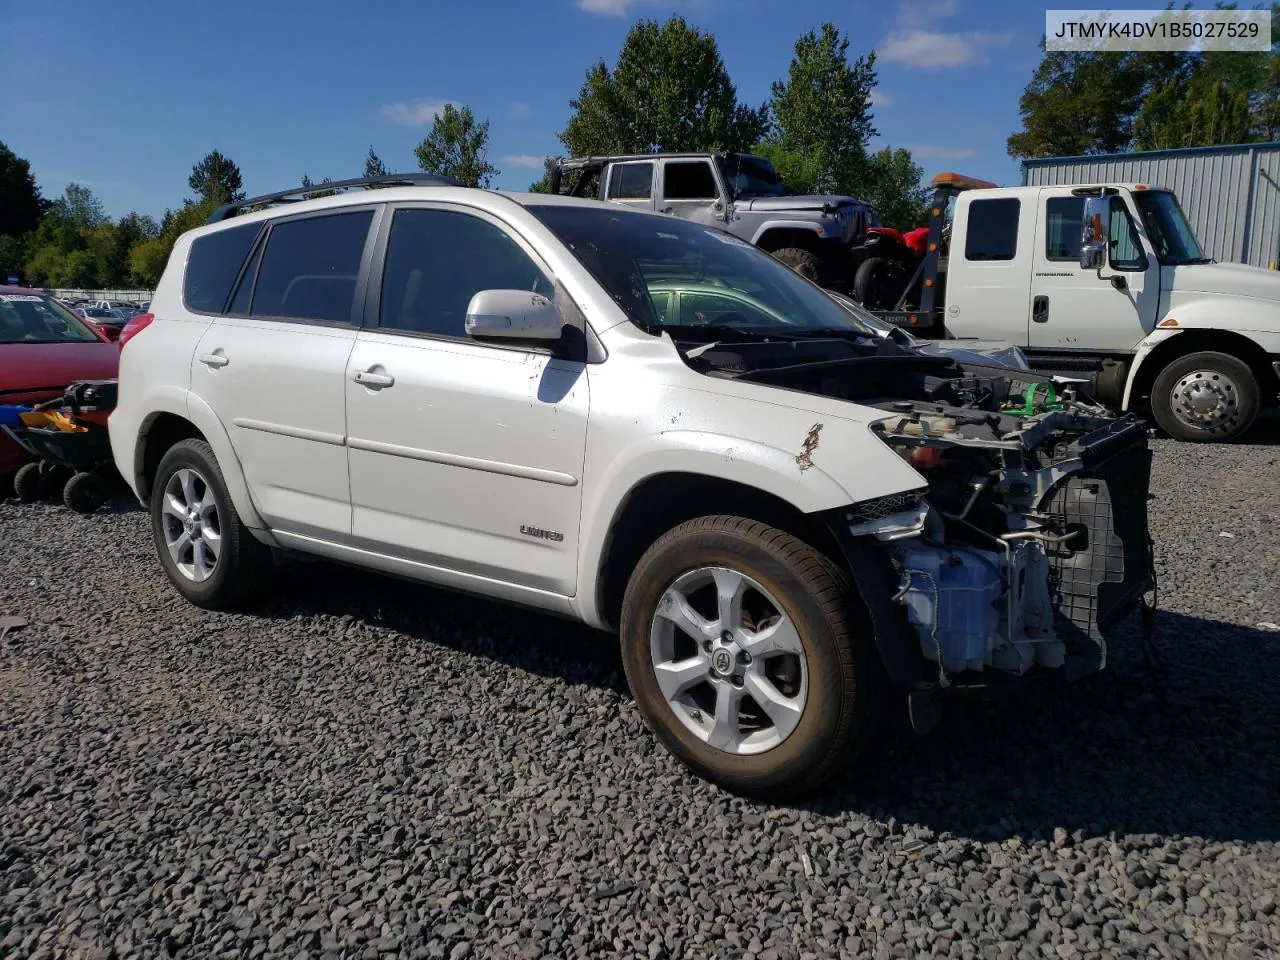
[
  {"x": 1204, "y": 399},
  {"x": 722, "y": 661},
  {"x": 189, "y": 525}
]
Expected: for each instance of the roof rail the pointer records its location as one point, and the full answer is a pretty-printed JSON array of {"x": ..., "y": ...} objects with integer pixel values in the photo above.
[{"x": 298, "y": 193}]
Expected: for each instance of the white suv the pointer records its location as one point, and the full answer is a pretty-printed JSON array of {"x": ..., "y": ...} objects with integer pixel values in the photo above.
[{"x": 638, "y": 422}]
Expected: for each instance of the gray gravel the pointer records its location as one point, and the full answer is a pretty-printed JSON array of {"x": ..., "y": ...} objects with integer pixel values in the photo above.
[{"x": 364, "y": 768}]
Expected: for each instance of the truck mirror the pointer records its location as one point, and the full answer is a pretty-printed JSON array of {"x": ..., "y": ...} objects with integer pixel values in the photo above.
[{"x": 1094, "y": 229}]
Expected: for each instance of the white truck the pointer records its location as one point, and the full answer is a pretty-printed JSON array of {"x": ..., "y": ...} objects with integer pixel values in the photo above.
[{"x": 1105, "y": 283}]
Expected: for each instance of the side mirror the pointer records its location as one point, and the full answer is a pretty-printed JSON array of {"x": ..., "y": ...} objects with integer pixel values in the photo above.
[
  {"x": 512, "y": 315},
  {"x": 1095, "y": 233}
]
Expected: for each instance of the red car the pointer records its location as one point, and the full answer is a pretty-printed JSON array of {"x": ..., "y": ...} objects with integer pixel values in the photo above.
[{"x": 43, "y": 348}]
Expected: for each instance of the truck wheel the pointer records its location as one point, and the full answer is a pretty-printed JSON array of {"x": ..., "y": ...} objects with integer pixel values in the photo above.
[
  {"x": 1205, "y": 397},
  {"x": 804, "y": 262},
  {"x": 206, "y": 551},
  {"x": 744, "y": 657}
]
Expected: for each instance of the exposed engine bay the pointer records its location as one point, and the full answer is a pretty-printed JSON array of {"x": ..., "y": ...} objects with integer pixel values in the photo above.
[{"x": 1030, "y": 542}]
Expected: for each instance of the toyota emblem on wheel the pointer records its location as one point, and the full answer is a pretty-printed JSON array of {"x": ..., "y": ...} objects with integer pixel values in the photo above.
[{"x": 722, "y": 660}]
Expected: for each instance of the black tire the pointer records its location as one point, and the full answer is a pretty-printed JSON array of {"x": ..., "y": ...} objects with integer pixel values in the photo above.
[
  {"x": 28, "y": 483},
  {"x": 878, "y": 283},
  {"x": 804, "y": 262},
  {"x": 846, "y": 684},
  {"x": 84, "y": 492},
  {"x": 244, "y": 568},
  {"x": 1230, "y": 378}
]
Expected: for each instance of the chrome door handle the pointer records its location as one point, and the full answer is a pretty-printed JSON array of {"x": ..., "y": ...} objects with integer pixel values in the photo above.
[
  {"x": 370, "y": 379},
  {"x": 214, "y": 360}
]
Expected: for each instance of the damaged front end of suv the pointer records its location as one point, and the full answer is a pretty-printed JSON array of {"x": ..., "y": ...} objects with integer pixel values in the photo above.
[{"x": 1029, "y": 543}]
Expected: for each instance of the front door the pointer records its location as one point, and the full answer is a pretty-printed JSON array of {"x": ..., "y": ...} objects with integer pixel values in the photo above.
[
  {"x": 464, "y": 455},
  {"x": 631, "y": 184},
  {"x": 689, "y": 191},
  {"x": 1074, "y": 310},
  {"x": 273, "y": 369}
]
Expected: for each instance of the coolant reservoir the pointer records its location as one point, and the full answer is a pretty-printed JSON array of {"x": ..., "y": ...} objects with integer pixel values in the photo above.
[{"x": 922, "y": 425}]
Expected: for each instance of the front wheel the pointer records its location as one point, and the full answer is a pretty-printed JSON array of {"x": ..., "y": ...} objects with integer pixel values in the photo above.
[
  {"x": 743, "y": 656},
  {"x": 1205, "y": 396},
  {"x": 804, "y": 262},
  {"x": 206, "y": 551}
]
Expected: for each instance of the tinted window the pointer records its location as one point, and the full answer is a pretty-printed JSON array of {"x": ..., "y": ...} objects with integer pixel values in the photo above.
[
  {"x": 240, "y": 302},
  {"x": 700, "y": 309},
  {"x": 437, "y": 260},
  {"x": 631, "y": 181},
  {"x": 688, "y": 181},
  {"x": 993, "y": 230},
  {"x": 213, "y": 264},
  {"x": 1126, "y": 248},
  {"x": 310, "y": 266},
  {"x": 1063, "y": 216}
]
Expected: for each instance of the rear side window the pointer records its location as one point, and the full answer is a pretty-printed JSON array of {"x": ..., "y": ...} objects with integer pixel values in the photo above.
[
  {"x": 688, "y": 180},
  {"x": 310, "y": 266},
  {"x": 631, "y": 181},
  {"x": 992, "y": 233},
  {"x": 213, "y": 265}
]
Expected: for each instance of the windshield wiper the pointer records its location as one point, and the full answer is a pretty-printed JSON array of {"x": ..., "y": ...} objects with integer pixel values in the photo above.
[{"x": 681, "y": 331}]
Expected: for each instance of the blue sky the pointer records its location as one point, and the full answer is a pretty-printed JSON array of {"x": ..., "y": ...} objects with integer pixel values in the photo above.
[{"x": 125, "y": 96}]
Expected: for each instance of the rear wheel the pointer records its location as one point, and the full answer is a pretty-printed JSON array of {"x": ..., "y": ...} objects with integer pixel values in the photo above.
[
  {"x": 741, "y": 652},
  {"x": 1205, "y": 396},
  {"x": 208, "y": 554},
  {"x": 28, "y": 483},
  {"x": 804, "y": 262}
]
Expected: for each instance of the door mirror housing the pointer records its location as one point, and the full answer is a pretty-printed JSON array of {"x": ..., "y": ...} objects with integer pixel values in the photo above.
[
  {"x": 512, "y": 315},
  {"x": 1095, "y": 233}
]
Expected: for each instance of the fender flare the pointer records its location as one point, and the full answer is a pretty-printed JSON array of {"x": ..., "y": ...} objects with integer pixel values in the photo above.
[
  {"x": 806, "y": 225},
  {"x": 1145, "y": 348},
  {"x": 207, "y": 422}
]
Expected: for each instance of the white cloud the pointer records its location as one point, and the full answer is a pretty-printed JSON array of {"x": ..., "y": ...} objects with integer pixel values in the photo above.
[
  {"x": 932, "y": 49},
  {"x": 922, "y": 13},
  {"x": 416, "y": 113},
  {"x": 520, "y": 108},
  {"x": 612, "y": 8},
  {"x": 523, "y": 160},
  {"x": 927, "y": 152},
  {"x": 879, "y": 98}
]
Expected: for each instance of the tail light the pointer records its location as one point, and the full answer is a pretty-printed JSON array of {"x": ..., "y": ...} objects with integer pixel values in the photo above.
[{"x": 134, "y": 327}]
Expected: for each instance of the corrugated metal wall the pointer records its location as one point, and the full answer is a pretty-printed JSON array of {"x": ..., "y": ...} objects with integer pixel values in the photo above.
[{"x": 1231, "y": 195}]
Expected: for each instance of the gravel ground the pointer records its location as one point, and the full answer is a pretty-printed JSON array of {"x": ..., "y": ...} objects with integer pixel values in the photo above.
[{"x": 364, "y": 768}]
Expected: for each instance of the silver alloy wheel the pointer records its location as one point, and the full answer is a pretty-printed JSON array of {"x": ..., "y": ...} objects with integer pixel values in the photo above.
[
  {"x": 728, "y": 660},
  {"x": 192, "y": 527},
  {"x": 1205, "y": 400}
]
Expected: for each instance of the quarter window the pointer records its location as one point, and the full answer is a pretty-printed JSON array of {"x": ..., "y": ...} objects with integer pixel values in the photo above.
[
  {"x": 310, "y": 266},
  {"x": 992, "y": 233},
  {"x": 437, "y": 260},
  {"x": 213, "y": 265},
  {"x": 688, "y": 180},
  {"x": 631, "y": 181}
]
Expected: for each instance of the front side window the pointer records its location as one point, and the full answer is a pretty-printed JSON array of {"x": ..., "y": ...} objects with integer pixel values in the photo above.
[
  {"x": 631, "y": 181},
  {"x": 437, "y": 260},
  {"x": 750, "y": 176},
  {"x": 698, "y": 308},
  {"x": 213, "y": 265},
  {"x": 992, "y": 233},
  {"x": 1063, "y": 217},
  {"x": 310, "y": 266},
  {"x": 688, "y": 180},
  {"x": 1126, "y": 248}
]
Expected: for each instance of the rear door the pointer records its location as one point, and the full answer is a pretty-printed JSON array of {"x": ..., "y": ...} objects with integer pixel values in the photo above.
[
  {"x": 1078, "y": 311},
  {"x": 272, "y": 368},
  {"x": 630, "y": 182},
  {"x": 989, "y": 269}
]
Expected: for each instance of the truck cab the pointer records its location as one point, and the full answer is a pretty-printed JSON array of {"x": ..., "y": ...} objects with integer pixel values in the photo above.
[{"x": 1105, "y": 283}]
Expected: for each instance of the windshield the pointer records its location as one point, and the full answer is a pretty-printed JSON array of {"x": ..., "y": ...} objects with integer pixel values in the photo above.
[
  {"x": 1167, "y": 226},
  {"x": 750, "y": 176},
  {"x": 28, "y": 318},
  {"x": 669, "y": 274}
]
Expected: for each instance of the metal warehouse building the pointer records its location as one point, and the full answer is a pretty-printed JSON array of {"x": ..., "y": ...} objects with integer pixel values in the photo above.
[{"x": 1231, "y": 194}]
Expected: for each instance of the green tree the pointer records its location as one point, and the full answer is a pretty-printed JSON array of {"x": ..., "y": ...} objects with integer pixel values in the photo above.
[
  {"x": 893, "y": 186},
  {"x": 21, "y": 205},
  {"x": 543, "y": 183},
  {"x": 373, "y": 166},
  {"x": 79, "y": 209},
  {"x": 457, "y": 146},
  {"x": 216, "y": 178},
  {"x": 13, "y": 256},
  {"x": 319, "y": 191},
  {"x": 822, "y": 113},
  {"x": 148, "y": 258},
  {"x": 669, "y": 90}
]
